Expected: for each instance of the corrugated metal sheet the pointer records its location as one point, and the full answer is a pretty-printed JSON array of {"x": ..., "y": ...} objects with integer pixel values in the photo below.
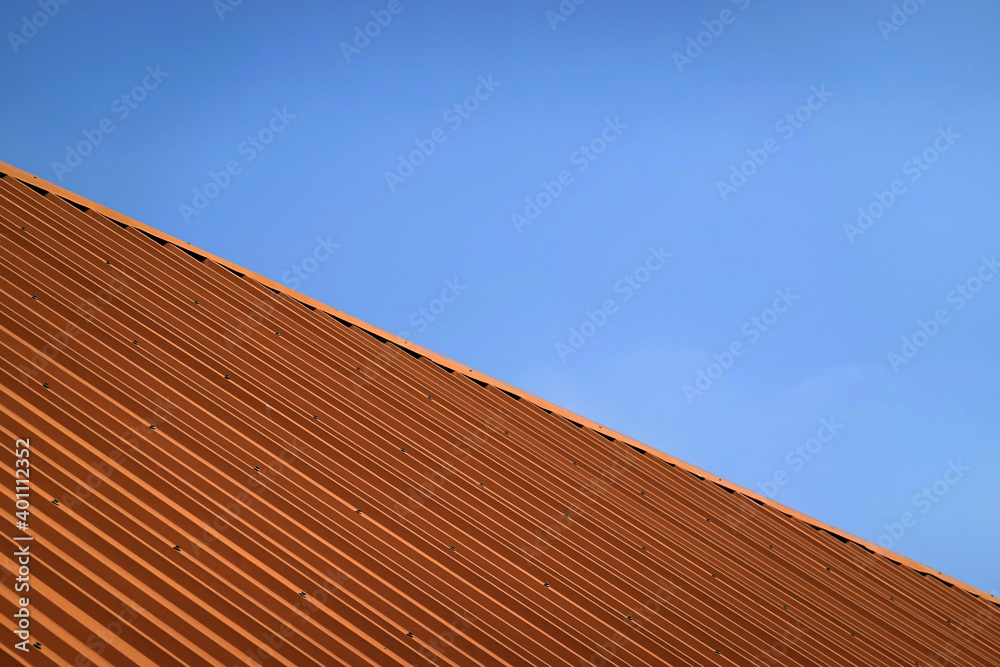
[{"x": 245, "y": 476}]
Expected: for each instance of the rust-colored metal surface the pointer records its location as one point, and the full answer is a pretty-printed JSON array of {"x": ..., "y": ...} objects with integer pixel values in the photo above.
[{"x": 225, "y": 472}]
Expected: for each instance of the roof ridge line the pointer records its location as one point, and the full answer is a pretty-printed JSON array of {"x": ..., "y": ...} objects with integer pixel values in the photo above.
[{"x": 77, "y": 200}]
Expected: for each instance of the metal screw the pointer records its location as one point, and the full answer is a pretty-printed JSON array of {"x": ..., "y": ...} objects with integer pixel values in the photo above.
[
  {"x": 257, "y": 468},
  {"x": 34, "y": 297},
  {"x": 177, "y": 548},
  {"x": 55, "y": 501},
  {"x": 302, "y": 593},
  {"x": 453, "y": 548},
  {"x": 409, "y": 634},
  {"x": 152, "y": 426},
  {"x": 359, "y": 511},
  {"x": 45, "y": 384},
  {"x": 227, "y": 377},
  {"x": 546, "y": 584}
]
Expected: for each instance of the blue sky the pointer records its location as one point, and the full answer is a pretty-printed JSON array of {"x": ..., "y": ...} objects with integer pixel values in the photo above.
[{"x": 532, "y": 170}]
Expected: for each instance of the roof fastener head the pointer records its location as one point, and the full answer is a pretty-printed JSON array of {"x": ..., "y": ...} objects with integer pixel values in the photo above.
[
  {"x": 256, "y": 468},
  {"x": 38, "y": 645},
  {"x": 227, "y": 377},
  {"x": 403, "y": 449},
  {"x": 409, "y": 634},
  {"x": 644, "y": 549},
  {"x": 135, "y": 342},
  {"x": 453, "y": 548},
  {"x": 177, "y": 547},
  {"x": 196, "y": 300},
  {"x": 55, "y": 501},
  {"x": 302, "y": 593},
  {"x": 109, "y": 261},
  {"x": 718, "y": 651},
  {"x": 24, "y": 229},
  {"x": 152, "y": 426},
  {"x": 643, "y": 493},
  {"x": 547, "y": 584},
  {"x": 45, "y": 384},
  {"x": 315, "y": 416},
  {"x": 359, "y": 511},
  {"x": 34, "y": 297}
]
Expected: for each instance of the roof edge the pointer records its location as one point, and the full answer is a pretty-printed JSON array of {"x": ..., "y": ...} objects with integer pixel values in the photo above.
[{"x": 80, "y": 201}]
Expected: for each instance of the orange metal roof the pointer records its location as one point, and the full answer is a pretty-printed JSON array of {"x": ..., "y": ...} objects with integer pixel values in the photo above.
[{"x": 317, "y": 491}]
